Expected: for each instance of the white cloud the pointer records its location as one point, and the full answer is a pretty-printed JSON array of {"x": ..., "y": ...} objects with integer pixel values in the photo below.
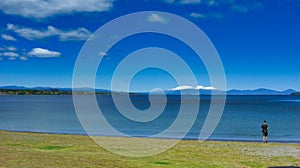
[
  {"x": 169, "y": 1},
  {"x": 11, "y": 58},
  {"x": 207, "y": 15},
  {"x": 35, "y": 52},
  {"x": 213, "y": 3},
  {"x": 30, "y": 33},
  {"x": 190, "y": 1},
  {"x": 156, "y": 18},
  {"x": 77, "y": 35},
  {"x": 102, "y": 54},
  {"x": 8, "y": 37},
  {"x": 50, "y": 31},
  {"x": 11, "y": 48},
  {"x": 184, "y": 2},
  {"x": 246, "y": 7},
  {"x": 239, "y": 6},
  {"x": 23, "y": 58},
  {"x": 46, "y": 8},
  {"x": 43, "y": 53},
  {"x": 205, "y": 87},
  {"x": 184, "y": 87},
  {"x": 10, "y": 54},
  {"x": 197, "y": 15}
]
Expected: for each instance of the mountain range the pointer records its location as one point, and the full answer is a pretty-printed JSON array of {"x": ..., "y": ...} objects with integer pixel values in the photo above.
[{"x": 260, "y": 91}]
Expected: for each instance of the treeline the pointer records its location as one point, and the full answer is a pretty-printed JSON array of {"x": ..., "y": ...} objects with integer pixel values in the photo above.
[
  {"x": 296, "y": 94},
  {"x": 45, "y": 92},
  {"x": 34, "y": 92}
]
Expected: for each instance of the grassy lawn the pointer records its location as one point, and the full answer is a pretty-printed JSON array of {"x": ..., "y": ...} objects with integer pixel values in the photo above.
[{"x": 53, "y": 150}]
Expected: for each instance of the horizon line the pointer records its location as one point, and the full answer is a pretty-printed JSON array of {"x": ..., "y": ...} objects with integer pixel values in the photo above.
[{"x": 60, "y": 87}]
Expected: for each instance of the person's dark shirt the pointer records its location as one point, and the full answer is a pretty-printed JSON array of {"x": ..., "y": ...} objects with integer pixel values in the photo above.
[{"x": 264, "y": 127}]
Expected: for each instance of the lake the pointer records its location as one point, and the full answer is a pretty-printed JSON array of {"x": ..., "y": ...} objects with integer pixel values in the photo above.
[{"x": 241, "y": 118}]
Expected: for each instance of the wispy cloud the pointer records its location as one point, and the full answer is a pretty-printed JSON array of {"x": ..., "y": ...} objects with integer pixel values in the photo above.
[
  {"x": 246, "y": 7},
  {"x": 11, "y": 48},
  {"x": 12, "y": 58},
  {"x": 10, "y": 54},
  {"x": 43, "y": 9},
  {"x": 102, "y": 54},
  {"x": 190, "y": 1},
  {"x": 50, "y": 31},
  {"x": 43, "y": 53},
  {"x": 156, "y": 18},
  {"x": 74, "y": 35},
  {"x": 169, "y": 1},
  {"x": 213, "y": 3},
  {"x": 206, "y": 16},
  {"x": 13, "y": 53},
  {"x": 8, "y": 37},
  {"x": 197, "y": 15},
  {"x": 233, "y": 5},
  {"x": 185, "y": 87},
  {"x": 23, "y": 58}
]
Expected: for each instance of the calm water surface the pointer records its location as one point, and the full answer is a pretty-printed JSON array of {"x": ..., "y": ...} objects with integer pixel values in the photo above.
[{"x": 241, "y": 118}]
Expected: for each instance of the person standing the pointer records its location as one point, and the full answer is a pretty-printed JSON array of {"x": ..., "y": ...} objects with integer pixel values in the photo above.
[{"x": 265, "y": 128}]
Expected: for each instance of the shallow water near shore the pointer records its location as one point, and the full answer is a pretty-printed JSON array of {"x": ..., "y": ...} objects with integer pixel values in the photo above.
[{"x": 240, "y": 121}]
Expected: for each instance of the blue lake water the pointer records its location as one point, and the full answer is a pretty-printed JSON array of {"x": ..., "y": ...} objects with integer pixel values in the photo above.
[{"x": 241, "y": 118}]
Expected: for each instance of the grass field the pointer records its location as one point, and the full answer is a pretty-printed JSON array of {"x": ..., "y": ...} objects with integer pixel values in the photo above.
[{"x": 54, "y": 150}]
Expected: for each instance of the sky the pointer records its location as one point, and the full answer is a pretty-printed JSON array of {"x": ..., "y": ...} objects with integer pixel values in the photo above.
[{"x": 258, "y": 42}]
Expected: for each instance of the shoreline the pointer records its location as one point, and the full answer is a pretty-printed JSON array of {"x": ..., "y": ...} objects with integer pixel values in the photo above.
[{"x": 165, "y": 138}]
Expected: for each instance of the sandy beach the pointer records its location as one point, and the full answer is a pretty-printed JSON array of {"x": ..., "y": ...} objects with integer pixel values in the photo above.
[{"x": 19, "y": 149}]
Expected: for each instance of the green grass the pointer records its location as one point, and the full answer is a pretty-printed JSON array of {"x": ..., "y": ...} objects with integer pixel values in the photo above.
[
  {"x": 52, "y": 147},
  {"x": 162, "y": 163},
  {"x": 53, "y": 150}
]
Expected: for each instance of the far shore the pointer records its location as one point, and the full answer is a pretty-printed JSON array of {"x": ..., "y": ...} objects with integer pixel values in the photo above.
[{"x": 27, "y": 149}]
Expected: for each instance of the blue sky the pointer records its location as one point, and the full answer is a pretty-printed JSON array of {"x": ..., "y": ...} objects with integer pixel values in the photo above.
[{"x": 258, "y": 41}]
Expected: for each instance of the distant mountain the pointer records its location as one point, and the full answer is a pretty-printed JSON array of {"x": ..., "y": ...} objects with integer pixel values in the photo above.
[
  {"x": 13, "y": 87},
  {"x": 289, "y": 91},
  {"x": 260, "y": 91},
  {"x": 192, "y": 92},
  {"x": 189, "y": 91},
  {"x": 50, "y": 88}
]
